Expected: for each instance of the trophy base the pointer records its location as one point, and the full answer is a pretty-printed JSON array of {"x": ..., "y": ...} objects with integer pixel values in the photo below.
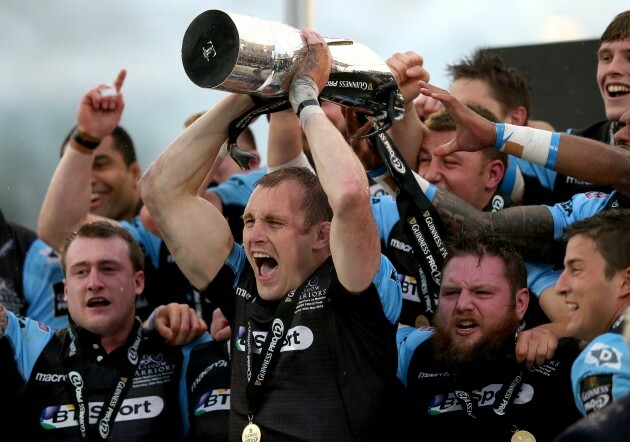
[{"x": 210, "y": 48}]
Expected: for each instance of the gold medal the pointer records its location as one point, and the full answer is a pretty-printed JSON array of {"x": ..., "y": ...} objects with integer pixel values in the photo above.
[
  {"x": 251, "y": 433},
  {"x": 523, "y": 436}
]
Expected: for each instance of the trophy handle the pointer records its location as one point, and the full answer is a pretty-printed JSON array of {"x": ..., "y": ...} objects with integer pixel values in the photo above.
[{"x": 241, "y": 157}]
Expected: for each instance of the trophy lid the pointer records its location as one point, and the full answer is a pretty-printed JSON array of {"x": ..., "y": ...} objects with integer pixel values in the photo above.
[{"x": 210, "y": 48}]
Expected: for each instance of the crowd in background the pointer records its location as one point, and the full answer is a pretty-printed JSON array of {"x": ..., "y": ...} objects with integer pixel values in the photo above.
[{"x": 300, "y": 299}]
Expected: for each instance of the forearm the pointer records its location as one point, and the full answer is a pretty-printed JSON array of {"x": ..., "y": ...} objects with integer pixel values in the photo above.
[
  {"x": 182, "y": 168},
  {"x": 354, "y": 239},
  {"x": 529, "y": 228},
  {"x": 195, "y": 232},
  {"x": 284, "y": 144},
  {"x": 594, "y": 162},
  {"x": 67, "y": 202},
  {"x": 408, "y": 134},
  {"x": 340, "y": 171},
  {"x": 579, "y": 157}
]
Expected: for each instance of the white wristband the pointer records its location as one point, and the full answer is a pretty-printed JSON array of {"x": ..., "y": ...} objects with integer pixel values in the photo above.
[
  {"x": 424, "y": 184},
  {"x": 534, "y": 145},
  {"x": 383, "y": 177},
  {"x": 303, "y": 98},
  {"x": 302, "y": 89}
]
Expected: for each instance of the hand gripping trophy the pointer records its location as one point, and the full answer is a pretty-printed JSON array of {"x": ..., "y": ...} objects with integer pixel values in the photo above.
[{"x": 244, "y": 54}]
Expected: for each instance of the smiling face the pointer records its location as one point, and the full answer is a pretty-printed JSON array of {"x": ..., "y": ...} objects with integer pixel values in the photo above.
[
  {"x": 591, "y": 298},
  {"x": 278, "y": 246},
  {"x": 101, "y": 285},
  {"x": 613, "y": 76},
  {"x": 114, "y": 183},
  {"x": 476, "y": 308},
  {"x": 465, "y": 174}
]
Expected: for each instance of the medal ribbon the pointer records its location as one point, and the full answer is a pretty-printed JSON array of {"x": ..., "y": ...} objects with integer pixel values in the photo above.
[
  {"x": 466, "y": 401},
  {"x": 257, "y": 384},
  {"x": 75, "y": 371},
  {"x": 509, "y": 393}
]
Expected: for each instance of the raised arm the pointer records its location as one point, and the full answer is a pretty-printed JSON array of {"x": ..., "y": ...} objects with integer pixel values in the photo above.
[
  {"x": 284, "y": 145},
  {"x": 530, "y": 228},
  {"x": 66, "y": 205},
  {"x": 195, "y": 231},
  {"x": 354, "y": 239},
  {"x": 409, "y": 132},
  {"x": 579, "y": 157}
]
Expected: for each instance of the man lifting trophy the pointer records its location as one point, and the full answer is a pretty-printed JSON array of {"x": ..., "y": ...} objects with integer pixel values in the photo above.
[
  {"x": 243, "y": 54},
  {"x": 312, "y": 303}
]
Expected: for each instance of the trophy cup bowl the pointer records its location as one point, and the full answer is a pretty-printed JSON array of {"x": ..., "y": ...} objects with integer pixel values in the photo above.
[{"x": 244, "y": 54}]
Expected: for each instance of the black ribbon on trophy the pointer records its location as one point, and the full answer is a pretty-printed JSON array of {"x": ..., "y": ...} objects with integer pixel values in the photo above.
[
  {"x": 244, "y": 54},
  {"x": 420, "y": 219}
]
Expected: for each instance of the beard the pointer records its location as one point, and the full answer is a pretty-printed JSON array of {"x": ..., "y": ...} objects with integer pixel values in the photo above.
[{"x": 495, "y": 344}]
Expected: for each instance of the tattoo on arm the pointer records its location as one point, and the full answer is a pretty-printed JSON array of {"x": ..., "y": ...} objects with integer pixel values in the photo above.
[
  {"x": 530, "y": 228},
  {"x": 456, "y": 213}
]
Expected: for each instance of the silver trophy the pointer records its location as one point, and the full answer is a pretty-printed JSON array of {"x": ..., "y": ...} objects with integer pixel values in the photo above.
[{"x": 244, "y": 54}]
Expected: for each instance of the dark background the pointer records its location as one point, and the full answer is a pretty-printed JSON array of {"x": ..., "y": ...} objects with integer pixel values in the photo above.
[{"x": 563, "y": 81}]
